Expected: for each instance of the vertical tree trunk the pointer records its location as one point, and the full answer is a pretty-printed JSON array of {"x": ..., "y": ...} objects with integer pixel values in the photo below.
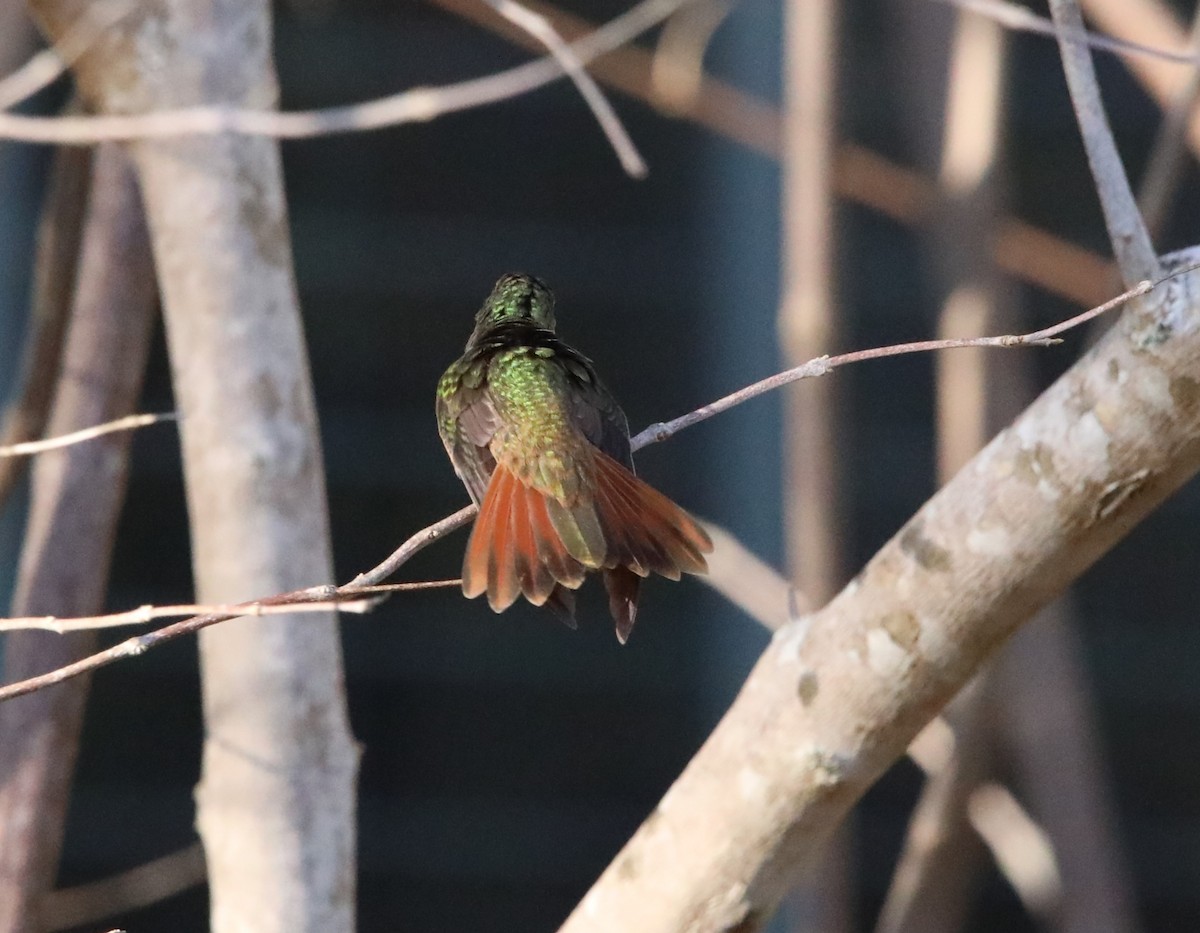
[
  {"x": 276, "y": 800},
  {"x": 76, "y": 500}
]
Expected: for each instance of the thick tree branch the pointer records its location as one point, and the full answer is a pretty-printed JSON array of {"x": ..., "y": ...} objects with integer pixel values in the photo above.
[{"x": 836, "y": 698}]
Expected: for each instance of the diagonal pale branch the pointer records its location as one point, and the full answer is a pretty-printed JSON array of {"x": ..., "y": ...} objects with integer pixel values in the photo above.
[
  {"x": 540, "y": 28},
  {"x": 836, "y": 698},
  {"x": 416, "y": 105},
  {"x": 126, "y": 423}
]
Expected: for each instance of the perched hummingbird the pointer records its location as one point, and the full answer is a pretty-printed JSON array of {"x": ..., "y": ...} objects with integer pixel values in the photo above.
[{"x": 543, "y": 449}]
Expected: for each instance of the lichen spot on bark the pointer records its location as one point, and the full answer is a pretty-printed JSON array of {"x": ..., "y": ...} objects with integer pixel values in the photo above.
[
  {"x": 903, "y": 628},
  {"x": 928, "y": 554},
  {"x": 1185, "y": 391},
  {"x": 627, "y": 867},
  {"x": 807, "y": 688}
]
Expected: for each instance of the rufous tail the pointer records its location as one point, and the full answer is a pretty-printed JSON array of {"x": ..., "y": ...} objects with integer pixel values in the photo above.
[{"x": 528, "y": 544}]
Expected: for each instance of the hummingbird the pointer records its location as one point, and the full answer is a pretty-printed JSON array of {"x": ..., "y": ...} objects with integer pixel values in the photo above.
[{"x": 543, "y": 449}]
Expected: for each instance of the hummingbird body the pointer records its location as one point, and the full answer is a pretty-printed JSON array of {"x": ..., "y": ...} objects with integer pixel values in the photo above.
[{"x": 543, "y": 450}]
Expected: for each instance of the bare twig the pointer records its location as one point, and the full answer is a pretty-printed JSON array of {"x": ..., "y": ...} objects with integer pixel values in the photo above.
[
  {"x": 1018, "y": 18},
  {"x": 416, "y": 105},
  {"x": 128, "y": 423},
  {"x": 1130, "y": 239},
  {"x": 138, "y": 645},
  {"x": 355, "y": 599},
  {"x": 540, "y": 28},
  {"x": 824, "y": 365}
]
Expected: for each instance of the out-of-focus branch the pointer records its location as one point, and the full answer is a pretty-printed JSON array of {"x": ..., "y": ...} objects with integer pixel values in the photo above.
[
  {"x": 1151, "y": 22},
  {"x": 832, "y": 703},
  {"x": 539, "y": 27},
  {"x": 1013, "y": 16},
  {"x": 133, "y": 889},
  {"x": 1161, "y": 178},
  {"x": 749, "y": 583},
  {"x": 58, "y": 238},
  {"x": 677, "y": 74},
  {"x": 1130, "y": 239},
  {"x": 174, "y": 120},
  {"x": 942, "y": 858},
  {"x": 808, "y": 326},
  {"x": 76, "y": 500},
  {"x": 50, "y": 64},
  {"x": 859, "y": 175},
  {"x": 1042, "y": 707}
]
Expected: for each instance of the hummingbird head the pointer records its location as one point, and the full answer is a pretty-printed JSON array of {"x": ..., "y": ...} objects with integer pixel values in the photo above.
[{"x": 517, "y": 297}]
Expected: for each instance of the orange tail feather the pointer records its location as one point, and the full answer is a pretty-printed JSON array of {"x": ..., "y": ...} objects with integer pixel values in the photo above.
[
  {"x": 514, "y": 551},
  {"x": 516, "y": 548}
]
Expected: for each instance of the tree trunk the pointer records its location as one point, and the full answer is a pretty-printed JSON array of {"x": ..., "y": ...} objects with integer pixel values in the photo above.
[{"x": 276, "y": 804}]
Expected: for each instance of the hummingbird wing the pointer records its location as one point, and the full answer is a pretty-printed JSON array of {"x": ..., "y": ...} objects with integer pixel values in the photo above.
[
  {"x": 597, "y": 414},
  {"x": 467, "y": 419}
]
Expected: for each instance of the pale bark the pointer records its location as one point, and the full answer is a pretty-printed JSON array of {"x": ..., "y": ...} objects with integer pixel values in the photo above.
[
  {"x": 276, "y": 802},
  {"x": 76, "y": 499},
  {"x": 832, "y": 703}
]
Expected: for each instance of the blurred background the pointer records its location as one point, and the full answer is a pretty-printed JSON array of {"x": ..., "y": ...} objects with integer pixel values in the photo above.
[{"x": 506, "y": 759}]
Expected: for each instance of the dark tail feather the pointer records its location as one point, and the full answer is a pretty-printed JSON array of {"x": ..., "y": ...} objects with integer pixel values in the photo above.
[
  {"x": 622, "y": 585},
  {"x": 561, "y": 602}
]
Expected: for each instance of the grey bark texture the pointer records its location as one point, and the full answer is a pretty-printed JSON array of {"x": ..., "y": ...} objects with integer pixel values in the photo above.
[
  {"x": 76, "y": 500},
  {"x": 276, "y": 802},
  {"x": 838, "y": 696}
]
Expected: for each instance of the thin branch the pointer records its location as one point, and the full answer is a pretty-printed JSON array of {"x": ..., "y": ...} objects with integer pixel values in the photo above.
[
  {"x": 140, "y": 644},
  {"x": 540, "y": 28},
  {"x": 1018, "y": 18},
  {"x": 128, "y": 423},
  {"x": 1126, "y": 230},
  {"x": 356, "y": 599},
  {"x": 416, "y": 105},
  {"x": 826, "y": 364}
]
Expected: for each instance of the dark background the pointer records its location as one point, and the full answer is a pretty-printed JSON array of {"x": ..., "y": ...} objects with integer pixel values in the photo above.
[{"x": 506, "y": 758}]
